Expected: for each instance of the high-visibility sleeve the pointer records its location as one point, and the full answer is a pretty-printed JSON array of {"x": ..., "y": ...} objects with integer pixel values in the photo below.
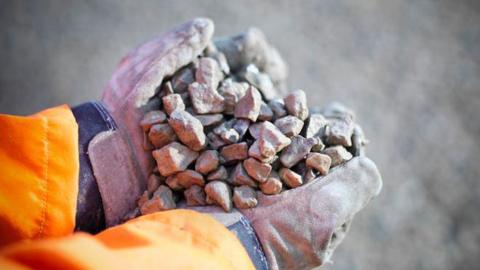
[
  {"x": 176, "y": 239},
  {"x": 38, "y": 175}
]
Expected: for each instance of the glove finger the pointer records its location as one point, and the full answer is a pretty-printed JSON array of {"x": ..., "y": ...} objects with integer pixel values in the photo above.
[{"x": 143, "y": 69}]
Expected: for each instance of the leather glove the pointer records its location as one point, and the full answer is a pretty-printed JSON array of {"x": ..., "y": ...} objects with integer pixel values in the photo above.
[
  {"x": 300, "y": 228},
  {"x": 119, "y": 161}
]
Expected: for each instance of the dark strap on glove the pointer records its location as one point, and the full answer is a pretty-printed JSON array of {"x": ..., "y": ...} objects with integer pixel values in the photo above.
[{"x": 92, "y": 118}]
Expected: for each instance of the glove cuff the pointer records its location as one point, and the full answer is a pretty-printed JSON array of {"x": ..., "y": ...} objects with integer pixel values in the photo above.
[
  {"x": 92, "y": 118},
  {"x": 245, "y": 233}
]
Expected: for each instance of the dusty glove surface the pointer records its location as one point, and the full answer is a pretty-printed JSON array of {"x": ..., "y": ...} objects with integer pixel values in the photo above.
[
  {"x": 126, "y": 98},
  {"x": 300, "y": 228}
]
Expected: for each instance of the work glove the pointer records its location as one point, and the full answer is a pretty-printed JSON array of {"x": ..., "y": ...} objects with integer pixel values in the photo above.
[{"x": 118, "y": 157}]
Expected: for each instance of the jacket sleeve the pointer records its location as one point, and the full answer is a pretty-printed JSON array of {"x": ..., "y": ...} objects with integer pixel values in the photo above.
[
  {"x": 39, "y": 169},
  {"x": 38, "y": 175},
  {"x": 176, "y": 239}
]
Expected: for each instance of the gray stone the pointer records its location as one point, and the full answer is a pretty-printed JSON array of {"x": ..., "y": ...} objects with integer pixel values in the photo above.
[
  {"x": 337, "y": 110},
  {"x": 173, "y": 102},
  {"x": 235, "y": 152},
  {"x": 207, "y": 162},
  {"x": 188, "y": 178},
  {"x": 219, "y": 193},
  {"x": 289, "y": 125},
  {"x": 319, "y": 162},
  {"x": 166, "y": 89},
  {"x": 205, "y": 99},
  {"x": 208, "y": 72},
  {"x": 248, "y": 107},
  {"x": 338, "y": 154},
  {"x": 244, "y": 197},
  {"x": 232, "y": 92},
  {"x": 182, "y": 79},
  {"x": 358, "y": 142},
  {"x": 256, "y": 169},
  {"x": 266, "y": 114},
  {"x": 230, "y": 136},
  {"x": 195, "y": 196},
  {"x": 208, "y": 120},
  {"x": 296, "y": 104},
  {"x": 173, "y": 158},
  {"x": 161, "y": 135},
  {"x": 151, "y": 118},
  {"x": 315, "y": 124},
  {"x": 161, "y": 200},
  {"x": 241, "y": 126},
  {"x": 297, "y": 150},
  {"x": 261, "y": 81},
  {"x": 214, "y": 141},
  {"x": 339, "y": 131},
  {"x": 188, "y": 129},
  {"x": 309, "y": 175},
  {"x": 290, "y": 178},
  {"x": 219, "y": 174},
  {"x": 278, "y": 107},
  {"x": 240, "y": 177}
]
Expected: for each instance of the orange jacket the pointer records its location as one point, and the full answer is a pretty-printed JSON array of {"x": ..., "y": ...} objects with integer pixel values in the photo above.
[{"x": 38, "y": 193}]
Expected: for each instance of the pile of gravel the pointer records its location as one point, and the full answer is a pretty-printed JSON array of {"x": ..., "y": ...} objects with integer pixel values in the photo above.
[{"x": 221, "y": 132}]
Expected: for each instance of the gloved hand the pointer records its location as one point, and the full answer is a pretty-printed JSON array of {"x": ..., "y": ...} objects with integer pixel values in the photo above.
[
  {"x": 120, "y": 163},
  {"x": 300, "y": 228}
]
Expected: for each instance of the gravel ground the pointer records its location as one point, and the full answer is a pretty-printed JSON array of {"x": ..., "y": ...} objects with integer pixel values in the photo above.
[{"x": 410, "y": 69}]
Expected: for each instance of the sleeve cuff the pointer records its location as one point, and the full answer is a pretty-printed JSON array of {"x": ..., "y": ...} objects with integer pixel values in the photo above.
[{"x": 92, "y": 118}]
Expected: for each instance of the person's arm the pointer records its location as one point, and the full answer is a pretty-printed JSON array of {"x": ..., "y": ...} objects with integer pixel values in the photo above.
[
  {"x": 38, "y": 175},
  {"x": 177, "y": 239}
]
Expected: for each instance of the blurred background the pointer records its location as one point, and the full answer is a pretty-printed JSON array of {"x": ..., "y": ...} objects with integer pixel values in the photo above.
[{"x": 410, "y": 69}]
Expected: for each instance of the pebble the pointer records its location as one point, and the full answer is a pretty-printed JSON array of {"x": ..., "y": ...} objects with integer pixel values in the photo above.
[
  {"x": 338, "y": 154},
  {"x": 278, "y": 107},
  {"x": 244, "y": 197},
  {"x": 296, "y": 104},
  {"x": 256, "y": 169},
  {"x": 290, "y": 178},
  {"x": 232, "y": 92},
  {"x": 261, "y": 81},
  {"x": 240, "y": 177},
  {"x": 143, "y": 198},
  {"x": 195, "y": 196},
  {"x": 316, "y": 124},
  {"x": 289, "y": 125},
  {"x": 188, "y": 129},
  {"x": 297, "y": 150},
  {"x": 182, "y": 79},
  {"x": 153, "y": 182},
  {"x": 173, "y": 158},
  {"x": 241, "y": 126},
  {"x": 235, "y": 152},
  {"x": 161, "y": 200},
  {"x": 214, "y": 141},
  {"x": 319, "y": 162},
  {"x": 173, "y": 102},
  {"x": 188, "y": 178},
  {"x": 151, "y": 118},
  {"x": 219, "y": 193},
  {"x": 208, "y": 72},
  {"x": 219, "y": 174},
  {"x": 248, "y": 107},
  {"x": 207, "y": 162},
  {"x": 309, "y": 175},
  {"x": 172, "y": 182},
  {"x": 205, "y": 99},
  {"x": 339, "y": 131},
  {"x": 271, "y": 186},
  {"x": 208, "y": 120},
  {"x": 161, "y": 135},
  {"x": 358, "y": 142},
  {"x": 266, "y": 114}
]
